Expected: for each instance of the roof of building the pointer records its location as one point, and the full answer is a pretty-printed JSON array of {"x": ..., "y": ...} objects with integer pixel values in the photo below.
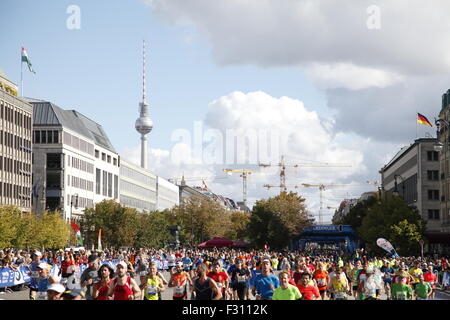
[
  {"x": 46, "y": 113},
  {"x": 405, "y": 150}
]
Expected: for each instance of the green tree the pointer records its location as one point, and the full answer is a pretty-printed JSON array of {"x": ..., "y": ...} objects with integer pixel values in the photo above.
[
  {"x": 406, "y": 236},
  {"x": 119, "y": 224},
  {"x": 238, "y": 224},
  {"x": 53, "y": 231},
  {"x": 9, "y": 215},
  {"x": 386, "y": 219},
  {"x": 152, "y": 229},
  {"x": 276, "y": 220},
  {"x": 200, "y": 220}
]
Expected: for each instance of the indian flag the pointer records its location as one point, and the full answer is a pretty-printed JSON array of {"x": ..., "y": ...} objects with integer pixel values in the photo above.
[
  {"x": 77, "y": 233},
  {"x": 27, "y": 60}
]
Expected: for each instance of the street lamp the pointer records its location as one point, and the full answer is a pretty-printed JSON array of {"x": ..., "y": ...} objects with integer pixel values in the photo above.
[
  {"x": 72, "y": 203},
  {"x": 396, "y": 186},
  {"x": 439, "y": 146}
]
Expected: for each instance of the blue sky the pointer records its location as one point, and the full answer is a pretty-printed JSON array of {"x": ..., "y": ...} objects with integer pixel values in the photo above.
[
  {"x": 97, "y": 69},
  {"x": 317, "y": 52}
]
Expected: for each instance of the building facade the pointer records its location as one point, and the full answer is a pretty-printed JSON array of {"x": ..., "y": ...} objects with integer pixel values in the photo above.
[
  {"x": 15, "y": 147},
  {"x": 137, "y": 187},
  {"x": 168, "y": 194},
  {"x": 416, "y": 171},
  {"x": 75, "y": 164},
  {"x": 444, "y": 161}
]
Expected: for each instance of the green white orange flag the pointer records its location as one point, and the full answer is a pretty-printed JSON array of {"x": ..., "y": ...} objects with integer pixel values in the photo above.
[
  {"x": 27, "y": 60},
  {"x": 423, "y": 120},
  {"x": 77, "y": 233}
]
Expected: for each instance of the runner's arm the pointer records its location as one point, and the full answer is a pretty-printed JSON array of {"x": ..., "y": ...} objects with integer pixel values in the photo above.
[
  {"x": 136, "y": 290},
  {"x": 215, "y": 289}
]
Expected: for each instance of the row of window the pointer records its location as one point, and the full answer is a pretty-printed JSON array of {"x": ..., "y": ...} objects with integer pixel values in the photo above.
[
  {"x": 76, "y": 201},
  {"x": 106, "y": 157},
  {"x": 433, "y": 214},
  {"x": 15, "y": 141},
  {"x": 137, "y": 176},
  {"x": 137, "y": 190},
  {"x": 80, "y": 183},
  {"x": 80, "y": 164},
  {"x": 78, "y": 143},
  {"x": 137, "y": 203},
  {"x": 15, "y": 117},
  {"x": 14, "y": 166},
  {"x": 14, "y": 191},
  {"x": 432, "y": 156},
  {"x": 104, "y": 184},
  {"x": 433, "y": 175},
  {"x": 433, "y": 194},
  {"x": 46, "y": 136}
]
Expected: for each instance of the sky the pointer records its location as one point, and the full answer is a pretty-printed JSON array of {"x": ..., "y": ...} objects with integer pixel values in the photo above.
[{"x": 317, "y": 81}]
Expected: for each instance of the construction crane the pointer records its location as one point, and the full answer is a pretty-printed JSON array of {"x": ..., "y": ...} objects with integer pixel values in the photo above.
[
  {"x": 283, "y": 165},
  {"x": 244, "y": 174},
  {"x": 322, "y": 187}
]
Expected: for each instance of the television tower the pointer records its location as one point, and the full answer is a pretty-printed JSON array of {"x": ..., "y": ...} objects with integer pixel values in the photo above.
[{"x": 143, "y": 124}]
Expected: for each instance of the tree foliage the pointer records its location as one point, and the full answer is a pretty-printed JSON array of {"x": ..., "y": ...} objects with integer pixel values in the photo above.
[
  {"x": 387, "y": 217},
  {"x": 27, "y": 230},
  {"x": 276, "y": 220}
]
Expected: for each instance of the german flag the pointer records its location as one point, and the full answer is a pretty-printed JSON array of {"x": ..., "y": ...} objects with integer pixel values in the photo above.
[{"x": 423, "y": 120}]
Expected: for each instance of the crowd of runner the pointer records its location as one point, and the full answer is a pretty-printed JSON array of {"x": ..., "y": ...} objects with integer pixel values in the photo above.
[{"x": 226, "y": 274}]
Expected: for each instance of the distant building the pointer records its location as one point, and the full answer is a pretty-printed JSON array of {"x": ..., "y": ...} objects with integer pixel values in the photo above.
[
  {"x": 414, "y": 174},
  {"x": 168, "y": 194},
  {"x": 137, "y": 187},
  {"x": 75, "y": 164},
  {"x": 197, "y": 192},
  {"x": 15, "y": 147}
]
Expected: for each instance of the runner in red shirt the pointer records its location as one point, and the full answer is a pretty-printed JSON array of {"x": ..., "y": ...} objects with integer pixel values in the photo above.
[
  {"x": 430, "y": 277},
  {"x": 101, "y": 288},
  {"x": 307, "y": 288},
  {"x": 221, "y": 278},
  {"x": 124, "y": 287}
]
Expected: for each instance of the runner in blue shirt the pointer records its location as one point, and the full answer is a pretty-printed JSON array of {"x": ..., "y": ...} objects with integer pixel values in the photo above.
[{"x": 265, "y": 283}]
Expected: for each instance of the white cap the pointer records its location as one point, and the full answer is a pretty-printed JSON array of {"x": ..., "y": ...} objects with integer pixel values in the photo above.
[
  {"x": 38, "y": 253},
  {"x": 123, "y": 264},
  {"x": 58, "y": 287},
  {"x": 43, "y": 265}
]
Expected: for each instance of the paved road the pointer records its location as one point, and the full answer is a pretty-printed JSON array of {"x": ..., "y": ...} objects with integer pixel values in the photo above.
[{"x": 167, "y": 294}]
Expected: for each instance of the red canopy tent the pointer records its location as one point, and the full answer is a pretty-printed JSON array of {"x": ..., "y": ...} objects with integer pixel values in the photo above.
[{"x": 216, "y": 242}]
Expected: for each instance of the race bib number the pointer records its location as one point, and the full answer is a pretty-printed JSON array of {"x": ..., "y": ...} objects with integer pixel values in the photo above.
[
  {"x": 179, "y": 290},
  {"x": 320, "y": 282},
  {"x": 143, "y": 273},
  {"x": 340, "y": 296},
  {"x": 401, "y": 295},
  {"x": 42, "y": 295},
  {"x": 151, "y": 290},
  {"x": 34, "y": 274},
  {"x": 241, "y": 279}
]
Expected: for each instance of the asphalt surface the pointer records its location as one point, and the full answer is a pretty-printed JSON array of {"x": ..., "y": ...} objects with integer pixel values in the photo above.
[{"x": 167, "y": 294}]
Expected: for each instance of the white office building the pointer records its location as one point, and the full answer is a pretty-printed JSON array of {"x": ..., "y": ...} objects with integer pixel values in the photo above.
[
  {"x": 74, "y": 164},
  {"x": 168, "y": 194}
]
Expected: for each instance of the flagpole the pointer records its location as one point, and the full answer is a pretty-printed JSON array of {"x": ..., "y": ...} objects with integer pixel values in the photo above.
[
  {"x": 416, "y": 124},
  {"x": 21, "y": 75}
]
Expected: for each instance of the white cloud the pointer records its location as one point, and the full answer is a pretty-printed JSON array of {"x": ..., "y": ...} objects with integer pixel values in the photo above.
[
  {"x": 306, "y": 138},
  {"x": 412, "y": 38},
  {"x": 350, "y": 76}
]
